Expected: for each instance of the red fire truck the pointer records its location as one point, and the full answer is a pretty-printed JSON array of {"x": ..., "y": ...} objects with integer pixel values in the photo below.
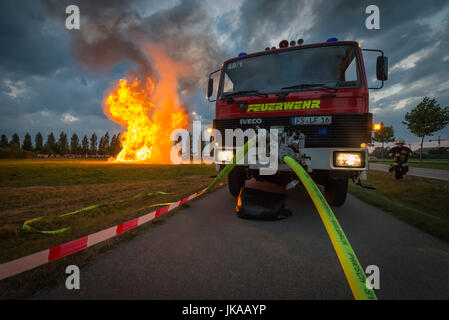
[{"x": 318, "y": 92}]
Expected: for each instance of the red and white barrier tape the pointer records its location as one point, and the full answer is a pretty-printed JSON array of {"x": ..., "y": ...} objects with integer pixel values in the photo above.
[{"x": 37, "y": 259}]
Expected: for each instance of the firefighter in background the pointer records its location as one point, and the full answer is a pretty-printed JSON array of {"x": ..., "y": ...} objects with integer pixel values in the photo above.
[{"x": 400, "y": 155}]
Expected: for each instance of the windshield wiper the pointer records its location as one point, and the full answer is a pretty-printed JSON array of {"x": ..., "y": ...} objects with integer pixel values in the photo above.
[
  {"x": 310, "y": 85},
  {"x": 230, "y": 94}
]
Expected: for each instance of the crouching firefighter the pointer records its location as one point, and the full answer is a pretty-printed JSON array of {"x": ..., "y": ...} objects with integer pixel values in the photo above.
[{"x": 400, "y": 155}]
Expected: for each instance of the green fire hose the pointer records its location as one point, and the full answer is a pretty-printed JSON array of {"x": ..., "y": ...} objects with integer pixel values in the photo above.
[
  {"x": 354, "y": 273},
  {"x": 27, "y": 224},
  {"x": 241, "y": 152}
]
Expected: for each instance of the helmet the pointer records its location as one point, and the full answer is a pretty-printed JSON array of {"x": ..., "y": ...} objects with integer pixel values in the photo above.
[{"x": 400, "y": 141}]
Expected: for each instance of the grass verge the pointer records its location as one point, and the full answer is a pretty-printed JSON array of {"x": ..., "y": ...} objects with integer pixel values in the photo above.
[
  {"x": 420, "y": 202},
  {"x": 34, "y": 188}
]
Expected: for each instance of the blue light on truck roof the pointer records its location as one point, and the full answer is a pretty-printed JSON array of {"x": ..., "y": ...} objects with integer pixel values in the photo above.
[
  {"x": 242, "y": 54},
  {"x": 332, "y": 40}
]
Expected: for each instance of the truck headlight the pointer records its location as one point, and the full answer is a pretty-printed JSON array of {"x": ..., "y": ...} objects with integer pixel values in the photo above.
[
  {"x": 225, "y": 156},
  {"x": 351, "y": 159}
]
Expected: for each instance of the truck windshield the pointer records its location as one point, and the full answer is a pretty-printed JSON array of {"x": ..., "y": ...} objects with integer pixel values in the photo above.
[{"x": 311, "y": 68}]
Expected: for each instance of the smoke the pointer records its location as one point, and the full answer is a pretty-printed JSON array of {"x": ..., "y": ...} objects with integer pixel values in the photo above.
[
  {"x": 115, "y": 31},
  {"x": 184, "y": 31},
  {"x": 263, "y": 21}
]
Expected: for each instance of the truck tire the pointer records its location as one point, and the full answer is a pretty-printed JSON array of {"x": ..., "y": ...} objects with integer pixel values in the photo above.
[
  {"x": 335, "y": 191},
  {"x": 236, "y": 180}
]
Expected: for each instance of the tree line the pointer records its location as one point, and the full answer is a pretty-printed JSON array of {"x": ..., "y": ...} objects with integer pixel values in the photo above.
[
  {"x": 425, "y": 119},
  {"x": 62, "y": 146}
]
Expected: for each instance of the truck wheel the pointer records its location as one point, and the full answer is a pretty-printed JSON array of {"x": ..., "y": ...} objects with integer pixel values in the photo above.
[
  {"x": 335, "y": 191},
  {"x": 236, "y": 180}
]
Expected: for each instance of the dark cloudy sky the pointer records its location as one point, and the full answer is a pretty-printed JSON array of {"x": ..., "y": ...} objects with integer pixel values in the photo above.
[{"x": 53, "y": 79}]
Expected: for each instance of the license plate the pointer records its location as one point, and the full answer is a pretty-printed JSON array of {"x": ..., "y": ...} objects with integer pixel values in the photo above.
[{"x": 318, "y": 120}]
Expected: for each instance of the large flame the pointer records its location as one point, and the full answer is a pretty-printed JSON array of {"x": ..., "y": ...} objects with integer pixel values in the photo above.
[{"x": 149, "y": 114}]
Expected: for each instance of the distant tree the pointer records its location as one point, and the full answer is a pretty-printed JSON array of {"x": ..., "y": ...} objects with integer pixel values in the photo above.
[
  {"x": 378, "y": 152},
  {"x": 50, "y": 145},
  {"x": 51, "y": 140},
  {"x": 384, "y": 135},
  {"x": 111, "y": 145},
  {"x": 93, "y": 144},
  {"x": 27, "y": 143},
  {"x": 425, "y": 119},
  {"x": 74, "y": 144},
  {"x": 4, "y": 143},
  {"x": 38, "y": 142},
  {"x": 63, "y": 144},
  {"x": 15, "y": 141},
  {"x": 85, "y": 145},
  {"x": 118, "y": 145},
  {"x": 106, "y": 143},
  {"x": 114, "y": 146},
  {"x": 103, "y": 146},
  {"x": 440, "y": 151}
]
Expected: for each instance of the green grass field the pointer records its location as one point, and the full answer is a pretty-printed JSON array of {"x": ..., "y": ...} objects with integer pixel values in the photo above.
[
  {"x": 34, "y": 188},
  {"x": 421, "y": 202},
  {"x": 31, "y": 188},
  {"x": 442, "y": 164}
]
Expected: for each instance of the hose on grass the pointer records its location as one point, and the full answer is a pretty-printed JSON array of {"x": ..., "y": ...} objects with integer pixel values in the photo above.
[
  {"x": 27, "y": 224},
  {"x": 241, "y": 152}
]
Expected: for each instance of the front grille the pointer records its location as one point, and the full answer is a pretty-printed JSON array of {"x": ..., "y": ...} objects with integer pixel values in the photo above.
[{"x": 346, "y": 130}]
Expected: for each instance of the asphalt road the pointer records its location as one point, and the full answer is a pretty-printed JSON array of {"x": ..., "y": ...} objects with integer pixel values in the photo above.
[
  {"x": 206, "y": 252},
  {"x": 414, "y": 171}
]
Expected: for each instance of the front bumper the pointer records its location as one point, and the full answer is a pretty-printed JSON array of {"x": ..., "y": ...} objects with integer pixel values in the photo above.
[{"x": 317, "y": 159}]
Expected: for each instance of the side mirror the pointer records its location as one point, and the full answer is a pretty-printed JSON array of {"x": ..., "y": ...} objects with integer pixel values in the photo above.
[
  {"x": 382, "y": 68},
  {"x": 210, "y": 87}
]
